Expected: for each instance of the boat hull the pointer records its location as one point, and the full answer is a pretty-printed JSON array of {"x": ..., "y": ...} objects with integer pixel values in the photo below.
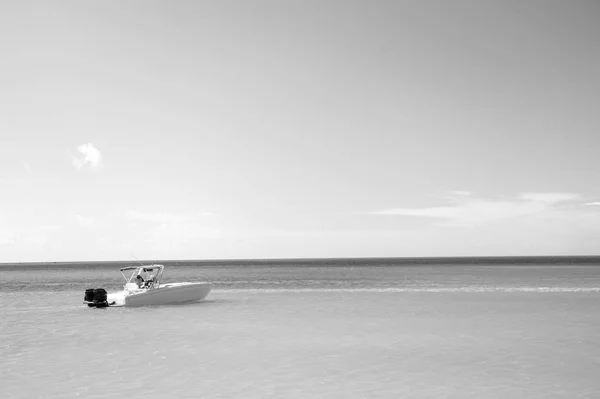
[
  {"x": 170, "y": 294},
  {"x": 166, "y": 294}
]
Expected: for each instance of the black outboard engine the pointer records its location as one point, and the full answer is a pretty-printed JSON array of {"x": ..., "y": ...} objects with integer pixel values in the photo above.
[
  {"x": 96, "y": 297},
  {"x": 100, "y": 297},
  {"x": 89, "y": 296}
]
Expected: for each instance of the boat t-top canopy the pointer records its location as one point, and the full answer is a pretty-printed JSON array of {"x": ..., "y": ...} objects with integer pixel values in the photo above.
[
  {"x": 145, "y": 267},
  {"x": 150, "y": 274}
]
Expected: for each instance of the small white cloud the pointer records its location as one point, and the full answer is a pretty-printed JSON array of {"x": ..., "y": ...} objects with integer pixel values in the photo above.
[
  {"x": 596, "y": 203},
  {"x": 26, "y": 166},
  {"x": 86, "y": 221},
  {"x": 23, "y": 235},
  {"x": 7, "y": 237},
  {"x": 436, "y": 212},
  {"x": 89, "y": 155},
  {"x": 461, "y": 193},
  {"x": 167, "y": 232},
  {"x": 176, "y": 234},
  {"x": 163, "y": 217},
  {"x": 49, "y": 228},
  {"x": 155, "y": 217}
]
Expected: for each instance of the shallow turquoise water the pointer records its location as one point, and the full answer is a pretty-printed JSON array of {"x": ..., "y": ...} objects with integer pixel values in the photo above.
[{"x": 297, "y": 332}]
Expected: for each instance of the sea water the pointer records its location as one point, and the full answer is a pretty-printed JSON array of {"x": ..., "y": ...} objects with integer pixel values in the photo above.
[{"x": 309, "y": 329}]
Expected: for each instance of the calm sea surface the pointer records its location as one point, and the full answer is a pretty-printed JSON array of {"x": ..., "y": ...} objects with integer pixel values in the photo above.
[{"x": 471, "y": 328}]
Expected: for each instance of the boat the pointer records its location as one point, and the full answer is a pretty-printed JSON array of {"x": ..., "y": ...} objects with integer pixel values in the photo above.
[{"x": 144, "y": 288}]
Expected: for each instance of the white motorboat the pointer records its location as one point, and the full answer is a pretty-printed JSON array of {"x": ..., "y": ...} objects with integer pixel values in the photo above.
[{"x": 144, "y": 288}]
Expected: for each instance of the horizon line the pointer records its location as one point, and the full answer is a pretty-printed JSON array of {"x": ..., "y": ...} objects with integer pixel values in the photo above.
[{"x": 233, "y": 260}]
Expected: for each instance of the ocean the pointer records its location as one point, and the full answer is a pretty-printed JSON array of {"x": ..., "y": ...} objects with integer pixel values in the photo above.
[{"x": 328, "y": 328}]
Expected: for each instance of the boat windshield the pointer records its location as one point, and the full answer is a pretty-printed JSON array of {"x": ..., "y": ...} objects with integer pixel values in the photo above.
[{"x": 144, "y": 276}]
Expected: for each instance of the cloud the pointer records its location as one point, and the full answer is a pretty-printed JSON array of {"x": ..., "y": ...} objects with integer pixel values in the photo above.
[
  {"x": 40, "y": 235},
  {"x": 163, "y": 217},
  {"x": 597, "y": 203},
  {"x": 90, "y": 155},
  {"x": 436, "y": 212},
  {"x": 86, "y": 221},
  {"x": 26, "y": 166},
  {"x": 154, "y": 217},
  {"x": 460, "y": 192},
  {"x": 175, "y": 235},
  {"x": 14, "y": 235},
  {"x": 549, "y": 198},
  {"x": 472, "y": 211},
  {"x": 167, "y": 232}
]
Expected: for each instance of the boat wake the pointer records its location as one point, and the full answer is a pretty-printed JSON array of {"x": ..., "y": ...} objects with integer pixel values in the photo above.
[{"x": 413, "y": 289}]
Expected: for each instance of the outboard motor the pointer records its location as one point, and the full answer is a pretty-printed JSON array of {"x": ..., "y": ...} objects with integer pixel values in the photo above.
[
  {"x": 89, "y": 295},
  {"x": 96, "y": 297},
  {"x": 100, "y": 297}
]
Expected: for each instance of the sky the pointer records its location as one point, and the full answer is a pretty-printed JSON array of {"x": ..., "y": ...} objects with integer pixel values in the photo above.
[{"x": 285, "y": 129}]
